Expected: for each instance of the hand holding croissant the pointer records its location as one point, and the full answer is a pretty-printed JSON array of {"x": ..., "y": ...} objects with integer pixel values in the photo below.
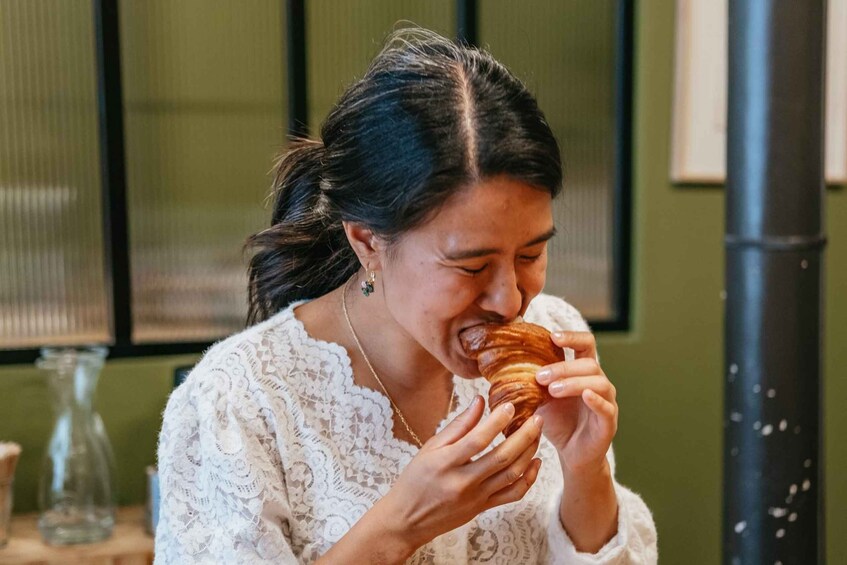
[{"x": 525, "y": 365}]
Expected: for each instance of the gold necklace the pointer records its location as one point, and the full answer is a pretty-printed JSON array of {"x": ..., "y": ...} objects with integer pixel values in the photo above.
[{"x": 373, "y": 372}]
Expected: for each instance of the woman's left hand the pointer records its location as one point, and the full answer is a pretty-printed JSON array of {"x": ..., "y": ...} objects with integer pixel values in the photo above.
[{"x": 582, "y": 418}]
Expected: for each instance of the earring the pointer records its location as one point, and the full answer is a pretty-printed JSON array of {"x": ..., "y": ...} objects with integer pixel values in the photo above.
[{"x": 368, "y": 285}]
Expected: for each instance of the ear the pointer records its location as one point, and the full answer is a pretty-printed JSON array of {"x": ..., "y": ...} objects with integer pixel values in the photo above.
[{"x": 369, "y": 247}]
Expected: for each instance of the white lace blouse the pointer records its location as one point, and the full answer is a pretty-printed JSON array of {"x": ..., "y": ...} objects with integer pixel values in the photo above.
[{"x": 269, "y": 453}]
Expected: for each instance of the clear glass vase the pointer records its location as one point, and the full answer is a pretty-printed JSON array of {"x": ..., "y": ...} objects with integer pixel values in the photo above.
[{"x": 75, "y": 492}]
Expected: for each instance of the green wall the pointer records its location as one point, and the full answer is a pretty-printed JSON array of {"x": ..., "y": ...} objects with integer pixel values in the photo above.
[{"x": 668, "y": 368}]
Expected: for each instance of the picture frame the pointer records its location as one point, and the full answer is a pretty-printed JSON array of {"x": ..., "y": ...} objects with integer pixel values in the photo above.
[{"x": 698, "y": 138}]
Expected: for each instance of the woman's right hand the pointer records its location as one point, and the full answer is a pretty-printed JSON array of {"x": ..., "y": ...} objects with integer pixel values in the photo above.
[{"x": 443, "y": 487}]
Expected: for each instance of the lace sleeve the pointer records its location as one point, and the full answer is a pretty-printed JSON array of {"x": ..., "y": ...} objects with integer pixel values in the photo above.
[
  {"x": 222, "y": 493},
  {"x": 634, "y": 544}
]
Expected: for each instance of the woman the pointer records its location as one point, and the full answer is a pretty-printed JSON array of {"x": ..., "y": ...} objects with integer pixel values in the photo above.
[{"x": 347, "y": 425}]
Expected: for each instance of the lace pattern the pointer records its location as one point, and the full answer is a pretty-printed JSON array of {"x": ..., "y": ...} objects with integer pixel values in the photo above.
[{"x": 269, "y": 452}]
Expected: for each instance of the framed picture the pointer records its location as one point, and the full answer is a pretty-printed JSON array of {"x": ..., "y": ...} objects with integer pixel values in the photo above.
[{"x": 698, "y": 143}]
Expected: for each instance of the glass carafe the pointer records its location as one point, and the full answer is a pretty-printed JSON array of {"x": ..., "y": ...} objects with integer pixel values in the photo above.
[{"x": 75, "y": 492}]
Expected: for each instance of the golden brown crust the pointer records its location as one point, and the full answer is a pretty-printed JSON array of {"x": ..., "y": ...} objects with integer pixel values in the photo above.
[{"x": 508, "y": 356}]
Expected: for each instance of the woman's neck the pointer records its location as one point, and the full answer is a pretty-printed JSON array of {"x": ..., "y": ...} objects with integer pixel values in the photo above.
[
  {"x": 400, "y": 362},
  {"x": 393, "y": 353},
  {"x": 414, "y": 380}
]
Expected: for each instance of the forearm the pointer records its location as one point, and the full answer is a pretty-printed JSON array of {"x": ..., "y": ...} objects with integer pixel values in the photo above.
[
  {"x": 375, "y": 538},
  {"x": 589, "y": 508}
]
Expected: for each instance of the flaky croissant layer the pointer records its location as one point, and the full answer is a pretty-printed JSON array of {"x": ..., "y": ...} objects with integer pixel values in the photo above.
[{"x": 508, "y": 356}]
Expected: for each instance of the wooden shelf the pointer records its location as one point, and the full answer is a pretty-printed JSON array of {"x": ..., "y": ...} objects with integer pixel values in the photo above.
[{"x": 130, "y": 544}]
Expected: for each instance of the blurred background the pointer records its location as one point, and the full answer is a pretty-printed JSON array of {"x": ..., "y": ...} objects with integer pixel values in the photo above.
[{"x": 143, "y": 252}]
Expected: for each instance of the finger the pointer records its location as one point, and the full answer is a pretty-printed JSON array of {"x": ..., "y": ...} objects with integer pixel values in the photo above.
[
  {"x": 582, "y": 343},
  {"x": 517, "y": 489},
  {"x": 575, "y": 386},
  {"x": 483, "y": 433},
  {"x": 512, "y": 473},
  {"x": 565, "y": 369},
  {"x": 461, "y": 424},
  {"x": 607, "y": 411},
  {"x": 504, "y": 455}
]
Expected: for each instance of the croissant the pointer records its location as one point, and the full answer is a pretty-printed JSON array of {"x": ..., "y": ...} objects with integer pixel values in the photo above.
[{"x": 508, "y": 356}]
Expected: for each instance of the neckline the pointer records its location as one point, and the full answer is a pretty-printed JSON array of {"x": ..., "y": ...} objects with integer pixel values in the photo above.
[{"x": 375, "y": 396}]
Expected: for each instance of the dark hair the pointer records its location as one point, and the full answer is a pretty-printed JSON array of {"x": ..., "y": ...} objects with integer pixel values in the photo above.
[{"x": 429, "y": 118}]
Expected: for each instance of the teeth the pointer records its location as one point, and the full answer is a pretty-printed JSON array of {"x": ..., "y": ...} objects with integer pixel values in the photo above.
[{"x": 518, "y": 320}]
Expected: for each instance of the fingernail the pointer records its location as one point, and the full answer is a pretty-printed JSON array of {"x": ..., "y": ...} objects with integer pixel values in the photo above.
[
  {"x": 557, "y": 388},
  {"x": 508, "y": 408},
  {"x": 537, "y": 420},
  {"x": 543, "y": 375},
  {"x": 558, "y": 335}
]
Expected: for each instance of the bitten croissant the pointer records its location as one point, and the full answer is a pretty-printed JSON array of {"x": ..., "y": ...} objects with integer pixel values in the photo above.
[{"x": 508, "y": 356}]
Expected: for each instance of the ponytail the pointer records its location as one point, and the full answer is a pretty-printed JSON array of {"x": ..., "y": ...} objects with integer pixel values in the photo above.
[{"x": 305, "y": 253}]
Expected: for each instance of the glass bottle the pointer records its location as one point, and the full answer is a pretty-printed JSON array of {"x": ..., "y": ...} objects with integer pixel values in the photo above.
[{"x": 75, "y": 492}]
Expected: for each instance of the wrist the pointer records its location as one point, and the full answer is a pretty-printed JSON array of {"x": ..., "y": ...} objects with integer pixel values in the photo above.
[
  {"x": 589, "y": 508},
  {"x": 376, "y": 538},
  {"x": 391, "y": 532},
  {"x": 597, "y": 472}
]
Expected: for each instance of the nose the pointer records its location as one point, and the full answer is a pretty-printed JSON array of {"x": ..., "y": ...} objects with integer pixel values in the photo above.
[{"x": 503, "y": 296}]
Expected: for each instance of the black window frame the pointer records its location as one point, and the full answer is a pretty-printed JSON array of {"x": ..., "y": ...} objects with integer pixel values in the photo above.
[{"x": 113, "y": 164}]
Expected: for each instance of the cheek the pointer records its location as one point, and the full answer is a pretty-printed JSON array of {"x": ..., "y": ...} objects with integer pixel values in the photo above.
[
  {"x": 534, "y": 277},
  {"x": 451, "y": 295},
  {"x": 430, "y": 296}
]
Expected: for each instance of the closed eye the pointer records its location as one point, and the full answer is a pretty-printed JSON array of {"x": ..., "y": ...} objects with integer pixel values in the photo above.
[
  {"x": 473, "y": 271},
  {"x": 530, "y": 258}
]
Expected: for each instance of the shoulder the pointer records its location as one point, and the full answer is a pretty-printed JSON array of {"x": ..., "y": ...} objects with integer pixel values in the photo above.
[
  {"x": 238, "y": 369},
  {"x": 554, "y": 313}
]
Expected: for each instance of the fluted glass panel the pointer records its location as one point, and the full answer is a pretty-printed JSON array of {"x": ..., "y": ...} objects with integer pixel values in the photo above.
[
  {"x": 205, "y": 99},
  {"x": 344, "y": 36},
  {"x": 565, "y": 52},
  {"x": 53, "y": 286}
]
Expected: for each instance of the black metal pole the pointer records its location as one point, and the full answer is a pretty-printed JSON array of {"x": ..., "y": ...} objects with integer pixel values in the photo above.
[
  {"x": 113, "y": 165},
  {"x": 467, "y": 21},
  {"x": 773, "y": 476},
  {"x": 298, "y": 103}
]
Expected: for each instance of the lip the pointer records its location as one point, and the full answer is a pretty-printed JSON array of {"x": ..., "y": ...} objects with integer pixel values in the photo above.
[{"x": 466, "y": 328}]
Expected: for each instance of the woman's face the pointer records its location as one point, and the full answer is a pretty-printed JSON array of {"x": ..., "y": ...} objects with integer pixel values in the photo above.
[{"x": 482, "y": 258}]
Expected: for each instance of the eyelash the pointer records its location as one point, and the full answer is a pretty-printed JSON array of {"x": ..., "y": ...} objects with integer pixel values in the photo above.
[
  {"x": 530, "y": 258},
  {"x": 474, "y": 272}
]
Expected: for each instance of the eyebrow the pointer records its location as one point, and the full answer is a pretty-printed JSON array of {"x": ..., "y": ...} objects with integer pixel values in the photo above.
[{"x": 472, "y": 253}]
